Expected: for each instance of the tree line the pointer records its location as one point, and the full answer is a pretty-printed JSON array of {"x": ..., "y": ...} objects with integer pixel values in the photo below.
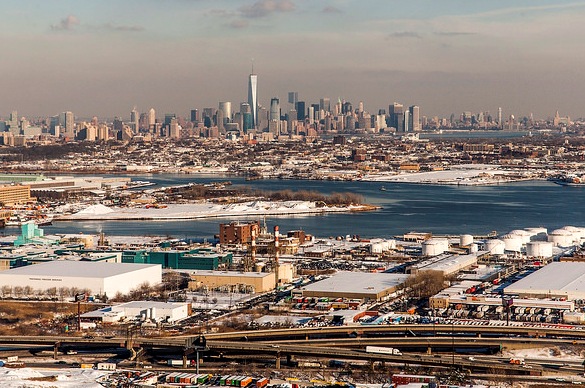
[{"x": 205, "y": 192}]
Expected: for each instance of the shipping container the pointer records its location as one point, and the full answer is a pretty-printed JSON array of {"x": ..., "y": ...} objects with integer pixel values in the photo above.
[{"x": 262, "y": 382}]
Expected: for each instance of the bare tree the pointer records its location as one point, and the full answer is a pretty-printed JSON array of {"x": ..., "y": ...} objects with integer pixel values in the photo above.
[
  {"x": 27, "y": 290},
  {"x": 6, "y": 291},
  {"x": 18, "y": 290}
]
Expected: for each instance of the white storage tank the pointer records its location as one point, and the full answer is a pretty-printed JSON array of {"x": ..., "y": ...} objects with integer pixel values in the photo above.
[
  {"x": 465, "y": 240},
  {"x": 435, "y": 246},
  {"x": 561, "y": 237},
  {"x": 539, "y": 249},
  {"x": 473, "y": 248},
  {"x": 578, "y": 233},
  {"x": 495, "y": 246},
  {"x": 537, "y": 234},
  {"x": 513, "y": 243},
  {"x": 523, "y": 234}
]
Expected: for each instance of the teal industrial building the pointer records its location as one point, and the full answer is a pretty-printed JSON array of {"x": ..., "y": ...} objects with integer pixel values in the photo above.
[
  {"x": 200, "y": 259},
  {"x": 194, "y": 259}
]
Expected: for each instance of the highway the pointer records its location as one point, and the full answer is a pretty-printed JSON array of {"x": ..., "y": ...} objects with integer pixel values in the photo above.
[{"x": 430, "y": 345}]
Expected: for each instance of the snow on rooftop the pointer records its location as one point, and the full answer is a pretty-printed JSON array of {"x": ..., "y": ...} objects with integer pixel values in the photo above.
[
  {"x": 558, "y": 278},
  {"x": 357, "y": 282},
  {"x": 77, "y": 269}
]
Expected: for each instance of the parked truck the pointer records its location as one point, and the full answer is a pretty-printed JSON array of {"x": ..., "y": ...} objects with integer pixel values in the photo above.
[{"x": 383, "y": 350}]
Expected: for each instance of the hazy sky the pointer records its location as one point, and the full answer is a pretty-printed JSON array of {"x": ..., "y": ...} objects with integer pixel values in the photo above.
[{"x": 102, "y": 57}]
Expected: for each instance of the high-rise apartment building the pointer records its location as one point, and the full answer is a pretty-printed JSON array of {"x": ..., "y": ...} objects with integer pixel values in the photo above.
[{"x": 253, "y": 98}]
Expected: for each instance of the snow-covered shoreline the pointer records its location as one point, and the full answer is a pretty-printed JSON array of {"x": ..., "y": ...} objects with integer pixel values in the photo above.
[
  {"x": 206, "y": 210},
  {"x": 463, "y": 175}
]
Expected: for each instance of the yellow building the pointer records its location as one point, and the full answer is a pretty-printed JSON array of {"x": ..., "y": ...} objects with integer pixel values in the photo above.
[
  {"x": 253, "y": 281},
  {"x": 15, "y": 194}
]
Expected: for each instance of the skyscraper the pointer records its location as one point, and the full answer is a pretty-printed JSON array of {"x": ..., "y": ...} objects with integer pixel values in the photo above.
[
  {"x": 325, "y": 104},
  {"x": 293, "y": 97},
  {"x": 246, "y": 115},
  {"x": 12, "y": 123},
  {"x": 151, "y": 119},
  {"x": 274, "y": 116},
  {"x": 396, "y": 111},
  {"x": 194, "y": 115},
  {"x": 66, "y": 121},
  {"x": 414, "y": 118},
  {"x": 500, "y": 123},
  {"x": 134, "y": 120},
  {"x": 226, "y": 108},
  {"x": 253, "y": 98},
  {"x": 301, "y": 110}
]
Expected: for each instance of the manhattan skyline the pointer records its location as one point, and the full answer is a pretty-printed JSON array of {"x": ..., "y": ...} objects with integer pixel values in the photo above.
[{"x": 103, "y": 57}]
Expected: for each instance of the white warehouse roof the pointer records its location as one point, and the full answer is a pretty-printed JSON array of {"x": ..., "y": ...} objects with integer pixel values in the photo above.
[
  {"x": 356, "y": 284},
  {"x": 77, "y": 269},
  {"x": 98, "y": 277},
  {"x": 558, "y": 279}
]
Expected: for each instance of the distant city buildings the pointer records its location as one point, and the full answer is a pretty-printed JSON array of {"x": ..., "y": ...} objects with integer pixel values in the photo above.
[{"x": 303, "y": 120}]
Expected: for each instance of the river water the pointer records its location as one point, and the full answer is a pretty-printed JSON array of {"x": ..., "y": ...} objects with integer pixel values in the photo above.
[{"x": 404, "y": 208}]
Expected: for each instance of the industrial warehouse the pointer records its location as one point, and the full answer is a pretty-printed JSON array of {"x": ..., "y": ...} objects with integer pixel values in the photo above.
[
  {"x": 556, "y": 280},
  {"x": 98, "y": 277},
  {"x": 356, "y": 285},
  {"x": 141, "y": 310}
]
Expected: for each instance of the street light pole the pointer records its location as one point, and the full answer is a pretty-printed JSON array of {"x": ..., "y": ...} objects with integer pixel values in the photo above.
[{"x": 452, "y": 344}]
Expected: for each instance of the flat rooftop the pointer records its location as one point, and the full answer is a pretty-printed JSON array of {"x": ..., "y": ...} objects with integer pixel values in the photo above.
[
  {"x": 357, "y": 282},
  {"x": 81, "y": 269},
  {"x": 555, "y": 278},
  {"x": 227, "y": 273}
]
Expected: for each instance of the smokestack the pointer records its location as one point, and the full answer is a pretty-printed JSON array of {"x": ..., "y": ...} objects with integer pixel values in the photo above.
[
  {"x": 253, "y": 249},
  {"x": 276, "y": 252}
]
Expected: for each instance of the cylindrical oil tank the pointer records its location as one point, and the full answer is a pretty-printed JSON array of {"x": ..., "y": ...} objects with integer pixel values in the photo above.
[
  {"x": 537, "y": 234},
  {"x": 561, "y": 237},
  {"x": 465, "y": 240},
  {"x": 578, "y": 233},
  {"x": 435, "y": 246},
  {"x": 512, "y": 242},
  {"x": 495, "y": 247},
  {"x": 539, "y": 249},
  {"x": 473, "y": 248},
  {"x": 524, "y": 235}
]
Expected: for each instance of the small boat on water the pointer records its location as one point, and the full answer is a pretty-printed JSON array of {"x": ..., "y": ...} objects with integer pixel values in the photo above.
[{"x": 382, "y": 188}]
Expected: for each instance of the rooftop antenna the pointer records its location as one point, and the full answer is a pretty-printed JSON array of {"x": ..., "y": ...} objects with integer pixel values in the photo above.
[{"x": 252, "y": 65}]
